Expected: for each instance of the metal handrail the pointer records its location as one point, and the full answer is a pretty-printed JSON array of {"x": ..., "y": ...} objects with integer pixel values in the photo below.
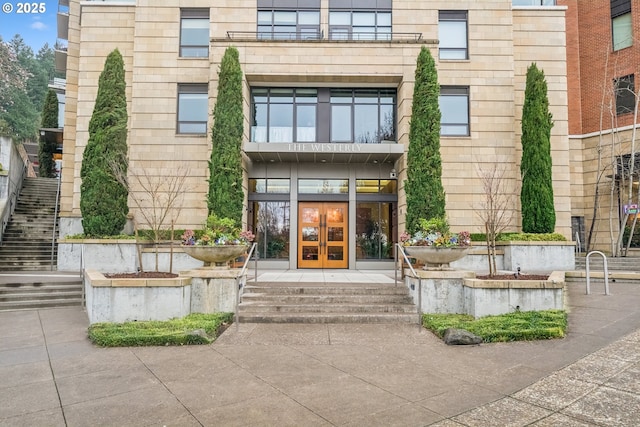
[
  {"x": 320, "y": 36},
  {"x": 55, "y": 222},
  {"x": 578, "y": 244},
  {"x": 606, "y": 272},
  {"x": 400, "y": 249},
  {"x": 239, "y": 285},
  {"x": 12, "y": 200}
]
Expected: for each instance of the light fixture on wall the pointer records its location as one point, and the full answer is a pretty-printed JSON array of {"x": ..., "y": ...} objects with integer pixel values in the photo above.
[{"x": 393, "y": 174}]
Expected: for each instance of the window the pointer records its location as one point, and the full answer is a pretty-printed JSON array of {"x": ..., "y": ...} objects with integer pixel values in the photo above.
[
  {"x": 271, "y": 227},
  {"x": 359, "y": 25},
  {"x": 291, "y": 115},
  {"x": 363, "y": 116},
  {"x": 534, "y": 2},
  {"x": 289, "y": 24},
  {"x": 621, "y": 25},
  {"x": 452, "y": 33},
  {"x": 194, "y": 33},
  {"x": 284, "y": 114},
  {"x": 454, "y": 107},
  {"x": 193, "y": 108},
  {"x": 625, "y": 94}
]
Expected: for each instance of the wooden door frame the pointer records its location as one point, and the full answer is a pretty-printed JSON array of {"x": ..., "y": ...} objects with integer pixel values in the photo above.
[{"x": 323, "y": 245}]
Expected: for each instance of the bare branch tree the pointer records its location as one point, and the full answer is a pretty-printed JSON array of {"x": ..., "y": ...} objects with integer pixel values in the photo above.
[
  {"x": 496, "y": 210},
  {"x": 158, "y": 198}
]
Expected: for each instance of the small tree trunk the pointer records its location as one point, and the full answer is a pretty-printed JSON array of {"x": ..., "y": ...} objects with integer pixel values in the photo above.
[
  {"x": 138, "y": 250},
  {"x": 171, "y": 247},
  {"x": 489, "y": 253}
]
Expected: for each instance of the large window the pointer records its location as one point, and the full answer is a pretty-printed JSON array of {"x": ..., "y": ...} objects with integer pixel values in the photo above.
[
  {"x": 621, "y": 24},
  {"x": 194, "y": 33},
  {"x": 284, "y": 115},
  {"x": 354, "y": 115},
  {"x": 289, "y": 24},
  {"x": 625, "y": 94},
  {"x": 452, "y": 33},
  {"x": 375, "y": 207},
  {"x": 359, "y": 25},
  {"x": 193, "y": 108},
  {"x": 363, "y": 116},
  {"x": 269, "y": 216},
  {"x": 454, "y": 107}
]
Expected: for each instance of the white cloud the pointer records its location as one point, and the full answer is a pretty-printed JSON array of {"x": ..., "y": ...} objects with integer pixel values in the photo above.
[{"x": 38, "y": 25}]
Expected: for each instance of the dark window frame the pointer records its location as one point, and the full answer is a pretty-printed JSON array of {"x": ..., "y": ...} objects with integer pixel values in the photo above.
[
  {"x": 456, "y": 91},
  {"x": 455, "y": 16},
  {"x": 186, "y": 89},
  {"x": 193, "y": 14},
  {"x": 337, "y": 30},
  {"x": 625, "y": 94},
  {"x": 300, "y": 32}
]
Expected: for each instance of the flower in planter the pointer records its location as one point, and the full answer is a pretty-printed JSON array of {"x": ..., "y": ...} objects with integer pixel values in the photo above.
[
  {"x": 435, "y": 232},
  {"x": 217, "y": 232}
]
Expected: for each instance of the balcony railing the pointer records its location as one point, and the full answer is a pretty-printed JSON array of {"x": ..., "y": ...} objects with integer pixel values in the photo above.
[
  {"x": 534, "y": 2},
  {"x": 319, "y": 35}
]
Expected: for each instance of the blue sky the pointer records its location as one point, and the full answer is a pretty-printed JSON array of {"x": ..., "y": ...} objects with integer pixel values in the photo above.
[{"x": 36, "y": 28}]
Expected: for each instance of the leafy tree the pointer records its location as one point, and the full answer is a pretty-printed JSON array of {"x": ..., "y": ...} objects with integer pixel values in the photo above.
[
  {"x": 103, "y": 199},
  {"x": 225, "y": 198},
  {"x": 536, "y": 197},
  {"x": 423, "y": 187},
  {"x": 47, "y": 148}
]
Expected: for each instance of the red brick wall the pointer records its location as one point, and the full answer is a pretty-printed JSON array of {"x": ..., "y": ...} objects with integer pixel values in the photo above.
[
  {"x": 573, "y": 67},
  {"x": 598, "y": 64}
]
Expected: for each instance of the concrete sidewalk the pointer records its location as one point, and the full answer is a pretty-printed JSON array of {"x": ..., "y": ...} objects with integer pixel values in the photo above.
[{"x": 346, "y": 375}]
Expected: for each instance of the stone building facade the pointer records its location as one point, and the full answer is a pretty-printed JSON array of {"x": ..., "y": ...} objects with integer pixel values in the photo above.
[{"x": 328, "y": 88}]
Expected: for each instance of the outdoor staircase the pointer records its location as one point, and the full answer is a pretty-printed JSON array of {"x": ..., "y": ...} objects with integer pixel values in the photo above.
[
  {"x": 613, "y": 264},
  {"x": 326, "y": 303},
  {"x": 26, "y": 242},
  {"x": 40, "y": 293}
]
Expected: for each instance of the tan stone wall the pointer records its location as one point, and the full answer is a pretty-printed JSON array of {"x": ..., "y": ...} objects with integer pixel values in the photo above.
[
  {"x": 539, "y": 37},
  {"x": 502, "y": 43}
]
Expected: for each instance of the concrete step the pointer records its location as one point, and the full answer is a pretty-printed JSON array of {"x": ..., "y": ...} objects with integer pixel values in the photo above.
[
  {"x": 329, "y": 318},
  {"x": 21, "y": 295},
  {"x": 40, "y": 303},
  {"x": 327, "y": 303}
]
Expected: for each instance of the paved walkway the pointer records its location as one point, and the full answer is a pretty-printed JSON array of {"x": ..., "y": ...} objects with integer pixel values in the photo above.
[{"x": 327, "y": 375}]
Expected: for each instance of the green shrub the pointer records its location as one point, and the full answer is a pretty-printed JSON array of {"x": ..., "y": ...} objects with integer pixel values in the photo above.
[
  {"x": 516, "y": 326},
  {"x": 423, "y": 187},
  {"x": 103, "y": 199},
  {"x": 47, "y": 148},
  {"x": 635, "y": 240},
  {"x": 522, "y": 237},
  {"x": 82, "y": 236},
  {"x": 160, "y": 333}
]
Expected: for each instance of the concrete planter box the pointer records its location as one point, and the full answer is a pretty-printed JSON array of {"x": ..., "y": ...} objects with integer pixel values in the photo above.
[
  {"x": 118, "y": 256},
  {"x": 529, "y": 256},
  {"x": 124, "y": 300},
  {"x": 194, "y": 291},
  {"x": 460, "y": 292}
]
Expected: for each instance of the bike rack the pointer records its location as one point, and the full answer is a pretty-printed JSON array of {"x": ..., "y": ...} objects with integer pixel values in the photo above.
[{"x": 606, "y": 272}]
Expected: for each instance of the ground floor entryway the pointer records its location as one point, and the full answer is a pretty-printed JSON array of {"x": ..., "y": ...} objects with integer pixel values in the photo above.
[{"x": 322, "y": 235}]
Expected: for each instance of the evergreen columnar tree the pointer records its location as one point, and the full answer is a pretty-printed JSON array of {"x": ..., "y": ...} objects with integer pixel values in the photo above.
[
  {"x": 46, "y": 148},
  {"x": 103, "y": 199},
  {"x": 536, "y": 197},
  {"x": 423, "y": 187},
  {"x": 226, "y": 197}
]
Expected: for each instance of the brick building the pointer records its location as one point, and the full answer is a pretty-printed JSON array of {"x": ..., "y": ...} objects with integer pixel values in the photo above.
[
  {"x": 603, "y": 58},
  {"x": 327, "y": 89}
]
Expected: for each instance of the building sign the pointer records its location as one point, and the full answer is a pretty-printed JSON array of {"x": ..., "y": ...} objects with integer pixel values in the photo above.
[
  {"x": 325, "y": 148},
  {"x": 631, "y": 209}
]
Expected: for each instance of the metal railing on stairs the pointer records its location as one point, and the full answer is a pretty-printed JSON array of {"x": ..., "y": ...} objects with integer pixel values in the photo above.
[
  {"x": 55, "y": 222},
  {"x": 403, "y": 259},
  {"x": 241, "y": 283}
]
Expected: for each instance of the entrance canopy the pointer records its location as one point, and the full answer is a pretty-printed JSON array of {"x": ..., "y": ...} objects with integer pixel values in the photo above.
[{"x": 323, "y": 152}]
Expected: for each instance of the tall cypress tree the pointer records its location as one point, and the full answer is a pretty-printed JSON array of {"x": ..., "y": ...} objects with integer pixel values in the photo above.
[
  {"x": 423, "y": 187},
  {"x": 226, "y": 197},
  {"x": 103, "y": 200},
  {"x": 536, "y": 197},
  {"x": 46, "y": 148}
]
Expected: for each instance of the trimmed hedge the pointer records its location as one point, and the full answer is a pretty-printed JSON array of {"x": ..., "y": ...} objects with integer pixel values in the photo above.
[
  {"x": 521, "y": 237},
  {"x": 162, "y": 333},
  {"x": 516, "y": 326}
]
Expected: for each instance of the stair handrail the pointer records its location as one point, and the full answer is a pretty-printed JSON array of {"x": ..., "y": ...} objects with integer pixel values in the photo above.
[
  {"x": 606, "y": 272},
  {"x": 240, "y": 284},
  {"x": 404, "y": 259},
  {"x": 13, "y": 193},
  {"x": 55, "y": 222}
]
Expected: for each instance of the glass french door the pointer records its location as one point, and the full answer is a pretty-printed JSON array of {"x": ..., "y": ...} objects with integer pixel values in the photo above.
[{"x": 322, "y": 235}]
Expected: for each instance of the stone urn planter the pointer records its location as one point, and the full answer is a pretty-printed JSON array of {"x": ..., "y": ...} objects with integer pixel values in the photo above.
[
  {"x": 436, "y": 258},
  {"x": 215, "y": 256}
]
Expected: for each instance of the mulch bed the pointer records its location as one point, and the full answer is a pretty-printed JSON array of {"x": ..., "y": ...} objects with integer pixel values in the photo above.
[
  {"x": 514, "y": 277},
  {"x": 142, "y": 275}
]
